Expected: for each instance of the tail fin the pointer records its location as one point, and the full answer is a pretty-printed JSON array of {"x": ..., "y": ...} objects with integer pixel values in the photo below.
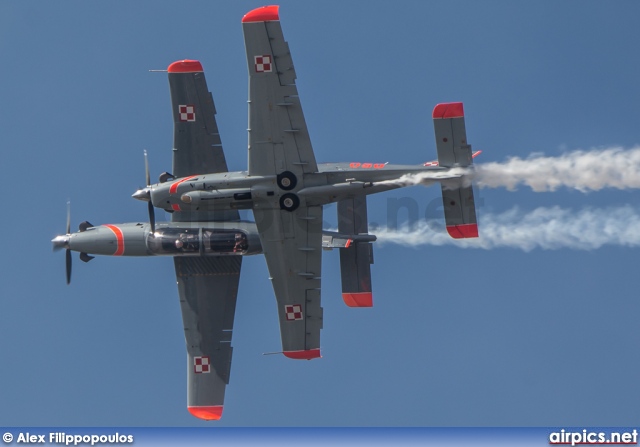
[{"x": 453, "y": 150}]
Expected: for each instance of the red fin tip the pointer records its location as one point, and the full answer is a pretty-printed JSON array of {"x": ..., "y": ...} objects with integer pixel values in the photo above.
[
  {"x": 448, "y": 110},
  {"x": 463, "y": 231},
  {"x": 358, "y": 299}
]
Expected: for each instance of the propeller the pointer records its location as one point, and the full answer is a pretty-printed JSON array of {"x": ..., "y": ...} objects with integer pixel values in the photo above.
[
  {"x": 62, "y": 241},
  {"x": 152, "y": 213},
  {"x": 145, "y": 194}
]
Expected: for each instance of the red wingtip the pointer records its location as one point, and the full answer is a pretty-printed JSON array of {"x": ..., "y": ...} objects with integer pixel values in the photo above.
[
  {"x": 358, "y": 299},
  {"x": 185, "y": 66},
  {"x": 303, "y": 355},
  {"x": 463, "y": 231},
  {"x": 207, "y": 413},
  {"x": 448, "y": 110},
  {"x": 263, "y": 14}
]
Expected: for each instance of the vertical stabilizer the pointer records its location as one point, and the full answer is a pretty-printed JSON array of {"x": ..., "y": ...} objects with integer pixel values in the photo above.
[{"x": 453, "y": 151}]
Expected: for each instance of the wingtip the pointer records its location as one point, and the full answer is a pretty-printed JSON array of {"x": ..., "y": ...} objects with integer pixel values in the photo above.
[
  {"x": 448, "y": 110},
  {"x": 262, "y": 14},
  {"x": 185, "y": 66},
  {"x": 211, "y": 413}
]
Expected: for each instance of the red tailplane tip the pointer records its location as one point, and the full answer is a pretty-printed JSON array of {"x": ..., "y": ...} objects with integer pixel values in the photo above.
[
  {"x": 263, "y": 14},
  {"x": 303, "y": 355},
  {"x": 358, "y": 299},
  {"x": 185, "y": 66},
  {"x": 463, "y": 231},
  {"x": 207, "y": 413},
  {"x": 448, "y": 110}
]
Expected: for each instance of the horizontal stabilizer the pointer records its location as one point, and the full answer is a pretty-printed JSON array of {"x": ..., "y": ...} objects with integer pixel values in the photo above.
[{"x": 356, "y": 257}]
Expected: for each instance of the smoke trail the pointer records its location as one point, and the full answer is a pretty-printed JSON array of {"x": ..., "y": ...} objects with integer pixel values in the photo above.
[
  {"x": 545, "y": 228},
  {"x": 582, "y": 170},
  {"x": 429, "y": 177}
]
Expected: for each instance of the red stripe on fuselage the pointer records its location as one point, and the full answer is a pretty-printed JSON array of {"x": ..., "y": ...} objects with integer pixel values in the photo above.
[
  {"x": 119, "y": 238},
  {"x": 174, "y": 188}
]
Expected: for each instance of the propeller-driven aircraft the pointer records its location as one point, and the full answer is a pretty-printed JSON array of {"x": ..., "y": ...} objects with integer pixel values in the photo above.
[{"x": 286, "y": 189}]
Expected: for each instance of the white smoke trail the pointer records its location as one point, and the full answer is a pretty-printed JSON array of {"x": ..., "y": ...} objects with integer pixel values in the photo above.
[
  {"x": 592, "y": 170},
  {"x": 428, "y": 178},
  {"x": 585, "y": 171},
  {"x": 545, "y": 228}
]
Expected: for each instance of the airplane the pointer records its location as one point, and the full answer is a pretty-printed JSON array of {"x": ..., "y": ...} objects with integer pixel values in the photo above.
[{"x": 286, "y": 189}]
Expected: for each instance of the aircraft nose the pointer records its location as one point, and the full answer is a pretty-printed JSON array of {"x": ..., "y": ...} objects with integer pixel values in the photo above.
[
  {"x": 60, "y": 242},
  {"x": 142, "y": 194}
]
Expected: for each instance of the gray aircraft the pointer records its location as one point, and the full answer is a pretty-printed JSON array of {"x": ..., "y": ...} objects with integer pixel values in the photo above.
[{"x": 286, "y": 189}]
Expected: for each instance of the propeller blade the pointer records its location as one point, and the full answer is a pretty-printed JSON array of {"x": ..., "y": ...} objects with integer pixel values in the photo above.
[
  {"x": 68, "y": 217},
  {"x": 68, "y": 256},
  {"x": 146, "y": 168},
  {"x": 152, "y": 217}
]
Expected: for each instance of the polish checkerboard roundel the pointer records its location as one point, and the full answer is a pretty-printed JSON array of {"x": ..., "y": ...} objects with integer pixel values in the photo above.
[
  {"x": 201, "y": 365},
  {"x": 187, "y": 112},
  {"x": 293, "y": 312},
  {"x": 263, "y": 64}
]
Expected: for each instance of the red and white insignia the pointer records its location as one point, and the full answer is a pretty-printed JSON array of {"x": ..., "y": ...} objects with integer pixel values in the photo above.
[
  {"x": 201, "y": 365},
  {"x": 263, "y": 64},
  {"x": 187, "y": 112},
  {"x": 431, "y": 163},
  {"x": 293, "y": 312}
]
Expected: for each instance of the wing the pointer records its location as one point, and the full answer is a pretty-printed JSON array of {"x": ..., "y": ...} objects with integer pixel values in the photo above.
[
  {"x": 208, "y": 287},
  {"x": 292, "y": 244},
  {"x": 279, "y": 144},
  {"x": 278, "y": 136},
  {"x": 197, "y": 148}
]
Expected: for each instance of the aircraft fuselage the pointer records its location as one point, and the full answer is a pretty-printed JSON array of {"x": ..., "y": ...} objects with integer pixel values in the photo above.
[{"x": 239, "y": 190}]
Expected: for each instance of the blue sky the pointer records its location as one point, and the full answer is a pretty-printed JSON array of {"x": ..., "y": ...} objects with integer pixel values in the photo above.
[{"x": 457, "y": 337}]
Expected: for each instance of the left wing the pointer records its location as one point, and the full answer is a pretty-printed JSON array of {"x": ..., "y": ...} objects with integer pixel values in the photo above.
[{"x": 208, "y": 287}]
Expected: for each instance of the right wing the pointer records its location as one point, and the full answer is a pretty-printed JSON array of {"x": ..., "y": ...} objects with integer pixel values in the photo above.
[
  {"x": 208, "y": 287},
  {"x": 197, "y": 148}
]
